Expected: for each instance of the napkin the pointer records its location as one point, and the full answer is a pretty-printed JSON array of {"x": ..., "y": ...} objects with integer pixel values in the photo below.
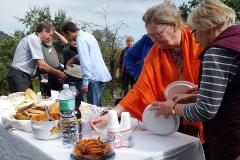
[
  {"x": 90, "y": 111},
  {"x": 8, "y": 123}
]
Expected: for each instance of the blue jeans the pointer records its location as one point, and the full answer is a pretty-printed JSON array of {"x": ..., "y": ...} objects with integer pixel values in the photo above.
[{"x": 95, "y": 92}]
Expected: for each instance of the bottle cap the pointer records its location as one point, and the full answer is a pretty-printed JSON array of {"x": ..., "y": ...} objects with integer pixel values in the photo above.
[{"x": 65, "y": 86}]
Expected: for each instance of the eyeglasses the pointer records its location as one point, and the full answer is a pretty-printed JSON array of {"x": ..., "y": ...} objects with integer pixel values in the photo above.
[{"x": 157, "y": 35}]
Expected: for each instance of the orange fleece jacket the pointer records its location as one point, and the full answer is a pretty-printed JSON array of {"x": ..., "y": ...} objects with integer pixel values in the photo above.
[{"x": 159, "y": 70}]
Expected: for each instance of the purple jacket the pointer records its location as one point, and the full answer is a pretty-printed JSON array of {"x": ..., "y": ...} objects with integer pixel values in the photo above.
[{"x": 223, "y": 132}]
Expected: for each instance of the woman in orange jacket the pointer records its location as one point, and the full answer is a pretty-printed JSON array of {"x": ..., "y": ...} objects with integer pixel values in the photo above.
[{"x": 174, "y": 56}]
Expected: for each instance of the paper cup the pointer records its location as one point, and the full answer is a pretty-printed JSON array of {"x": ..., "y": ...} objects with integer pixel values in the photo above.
[
  {"x": 125, "y": 123},
  {"x": 113, "y": 124}
]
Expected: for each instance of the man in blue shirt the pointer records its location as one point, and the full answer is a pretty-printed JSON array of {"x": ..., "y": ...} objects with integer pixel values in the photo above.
[
  {"x": 134, "y": 57},
  {"x": 94, "y": 71}
]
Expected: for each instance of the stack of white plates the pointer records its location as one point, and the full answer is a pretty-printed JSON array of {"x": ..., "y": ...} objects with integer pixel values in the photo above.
[
  {"x": 160, "y": 125},
  {"x": 177, "y": 87}
]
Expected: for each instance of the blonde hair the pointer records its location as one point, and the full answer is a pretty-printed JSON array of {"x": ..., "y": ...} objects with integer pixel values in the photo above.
[
  {"x": 129, "y": 38},
  {"x": 211, "y": 14},
  {"x": 164, "y": 13}
]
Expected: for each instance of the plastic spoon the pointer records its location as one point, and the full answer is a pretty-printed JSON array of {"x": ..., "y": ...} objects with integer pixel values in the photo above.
[{"x": 47, "y": 111}]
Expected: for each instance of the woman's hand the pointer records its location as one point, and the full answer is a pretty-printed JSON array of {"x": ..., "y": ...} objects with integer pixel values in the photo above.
[
  {"x": 189, "y": 97},
  {"x": 193, "y": 90},
  {"x": 163, "y": 108},
  {"x": 100, "y": 121},
  {"x": 185, "y": 98},
  {"x": 103, "y": 120}
]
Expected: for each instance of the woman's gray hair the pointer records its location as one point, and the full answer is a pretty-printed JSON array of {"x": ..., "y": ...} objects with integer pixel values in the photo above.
[
  {"x": 164, "y": 13},
  {"x": 211, "y": 14}
]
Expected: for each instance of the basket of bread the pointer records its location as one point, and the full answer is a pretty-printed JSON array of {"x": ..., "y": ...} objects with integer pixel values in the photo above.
[{"x": 25, "y": 105}]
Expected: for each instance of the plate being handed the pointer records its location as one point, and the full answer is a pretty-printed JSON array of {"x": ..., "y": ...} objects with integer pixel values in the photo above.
[
  {"x": 160, "y": 125},
  {"x": 74, "y": 71},
  {"x": 177, "y": 87}
]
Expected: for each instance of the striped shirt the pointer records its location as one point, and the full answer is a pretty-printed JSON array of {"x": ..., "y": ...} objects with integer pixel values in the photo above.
[{"x": 219, "y": 66}]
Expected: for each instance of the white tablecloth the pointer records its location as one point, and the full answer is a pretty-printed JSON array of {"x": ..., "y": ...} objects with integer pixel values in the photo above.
[{"x": 146, "y": 147}]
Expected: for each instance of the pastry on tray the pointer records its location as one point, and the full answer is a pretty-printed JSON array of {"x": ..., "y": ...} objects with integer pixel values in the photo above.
[{"x": 92, "y": 149}]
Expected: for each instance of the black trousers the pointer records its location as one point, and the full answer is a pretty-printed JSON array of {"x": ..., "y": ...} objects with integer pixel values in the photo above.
[
  {"x": 125, "y": 81},
  {"x": 18, "y": 81}
]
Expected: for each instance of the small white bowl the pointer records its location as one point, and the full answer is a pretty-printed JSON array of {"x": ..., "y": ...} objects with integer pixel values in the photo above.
[{"x": 46, "y": 129}]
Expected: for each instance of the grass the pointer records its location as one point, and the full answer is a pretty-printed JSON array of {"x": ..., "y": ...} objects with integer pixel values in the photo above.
[{"x": 36, "y": 85}]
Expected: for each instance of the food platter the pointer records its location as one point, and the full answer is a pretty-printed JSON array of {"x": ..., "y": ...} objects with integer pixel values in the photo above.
[
  {"x": 93, "y": 149},
  {"x": 105, "y": 157}
]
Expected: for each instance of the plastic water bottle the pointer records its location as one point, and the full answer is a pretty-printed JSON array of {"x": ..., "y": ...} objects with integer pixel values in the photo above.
[
  {"x": 68, "y": 122},
  {"x": 78, "y": 99},
  {"x": 78, "y": 95}
]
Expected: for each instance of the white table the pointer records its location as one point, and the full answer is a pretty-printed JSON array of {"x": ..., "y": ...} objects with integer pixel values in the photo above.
[{"x": 146, "y": 147}]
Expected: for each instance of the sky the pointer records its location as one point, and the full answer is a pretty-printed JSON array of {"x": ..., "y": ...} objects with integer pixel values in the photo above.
[{"x": 128, "y": 11}]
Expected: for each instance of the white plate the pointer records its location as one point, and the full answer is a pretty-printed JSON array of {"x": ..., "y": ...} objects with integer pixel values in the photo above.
[
  {"x": 74, "y": 71},
  {"x": 17, "y": 96},
  {"x": 177, "y": 87},
  {"x": 160, "y": 125}
]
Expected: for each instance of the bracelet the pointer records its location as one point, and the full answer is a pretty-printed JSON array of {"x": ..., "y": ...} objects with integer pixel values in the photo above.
[{"x": 173, "y": 109}]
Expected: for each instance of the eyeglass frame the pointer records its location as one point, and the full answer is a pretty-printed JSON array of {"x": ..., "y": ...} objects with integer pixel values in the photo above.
[{"x": 157, "y": 35}]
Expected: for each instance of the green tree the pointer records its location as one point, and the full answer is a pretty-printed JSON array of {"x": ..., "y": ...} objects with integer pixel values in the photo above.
[
  {"x": 186, "y": 8},
  {"x": 36, "y": 15},
  {"x": 59, "y": 19},
  {"x": 7, "y": 48},
  {"x": 9, "y": 43},
  {"x": 235, "y": 4}
]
